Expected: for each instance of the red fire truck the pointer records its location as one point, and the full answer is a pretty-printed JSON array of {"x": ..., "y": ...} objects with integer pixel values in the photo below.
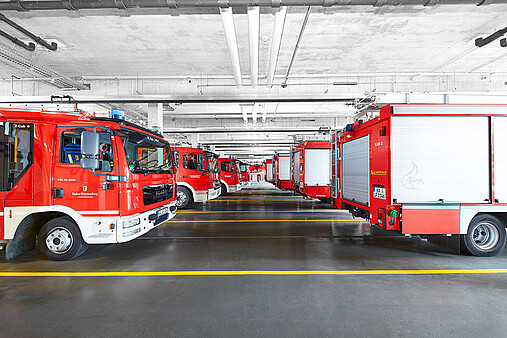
[
  {"x": 257, "y": 172},
  {"x": 428, "y": 170},
  {"x": 269, "y": 170},
  {"x": 229, "y": 175},
  {"x": 312, "y": 169},
  {"x": 196, "y": 174},
  {"x": 71, "y": 180},
  {"x": 282, "y": 170},
  {"x": 244, "y": 168}
]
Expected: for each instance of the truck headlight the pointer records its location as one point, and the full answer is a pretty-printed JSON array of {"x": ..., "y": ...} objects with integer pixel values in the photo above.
[{"x": 131, "y": 223}]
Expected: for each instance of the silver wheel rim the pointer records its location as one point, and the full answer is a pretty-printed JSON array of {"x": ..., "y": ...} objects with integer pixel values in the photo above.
[
  {"x": 59, "y": 240},
  {"x": 181, "y": 198},
  {"x": 485, "y": 235}
]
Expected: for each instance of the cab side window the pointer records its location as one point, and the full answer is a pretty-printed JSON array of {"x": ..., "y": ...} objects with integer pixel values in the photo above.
[
  {"x": 224, "y": 166},
  {"x": 176, "y": 159},
  {"x": 19, "y": 150},
  {"x": 193, "y": 162},
  {"x": 70, "y": 150}
]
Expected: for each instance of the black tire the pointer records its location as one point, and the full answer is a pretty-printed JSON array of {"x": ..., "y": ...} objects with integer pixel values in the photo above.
[
  {"x": 183, "y": 198},
  {"x": 223, "y": 189},
  {"x": 61, "y": 240},
  {"x": 485, "y": 236}
]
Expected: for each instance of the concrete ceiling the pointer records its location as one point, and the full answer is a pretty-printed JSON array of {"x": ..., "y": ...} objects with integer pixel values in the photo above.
[{"x": 404, "y": 48}]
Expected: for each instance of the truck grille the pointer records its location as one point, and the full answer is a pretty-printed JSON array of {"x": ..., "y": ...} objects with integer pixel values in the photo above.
[{"x": 157, "y": 193}]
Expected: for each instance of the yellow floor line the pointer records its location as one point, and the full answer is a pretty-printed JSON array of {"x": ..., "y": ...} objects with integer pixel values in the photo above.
[
  {"x": 263, "y": 200},
  {"x": 264, "y": 220},
  {"x": 257, "y": 211},
  {"x": 250, "y": 273}
]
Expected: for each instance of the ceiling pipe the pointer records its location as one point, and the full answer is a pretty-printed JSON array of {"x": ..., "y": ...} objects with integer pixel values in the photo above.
[
  {"x": 53, "y": 46},
  {"x": 30, "y": 46},
  {"x": 264, "y": 112},
  {"x": 254, "y": 25},
  {"x": 74, "y": 5},
  {"x": 305, "y": 21},
  {"x": 245, "y": 114},
  {"x": 275, "y": 44},
  {"x": 255, "y": 108},
  {"x": 230, "y": 36}
]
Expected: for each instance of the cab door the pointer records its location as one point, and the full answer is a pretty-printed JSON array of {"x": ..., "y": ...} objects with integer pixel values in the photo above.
[
  {"x": 196, "y": 174},
  {"x": 3, "y": 173},
  {"x": 81, "y": 189}
]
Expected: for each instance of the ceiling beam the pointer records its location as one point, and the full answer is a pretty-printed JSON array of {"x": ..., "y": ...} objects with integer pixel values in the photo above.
[
  {"x": 29, "y": 5},
  {"x": 253, "y": 129},
  {"x": 239, "y": 98}
]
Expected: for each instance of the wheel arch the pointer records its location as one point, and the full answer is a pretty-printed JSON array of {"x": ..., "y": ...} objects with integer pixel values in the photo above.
[
  {"x": 468, "y": 213},
  {"x": 24, "y": 238},
  {"x": 226, "y": 185},
  {"x": 189, "y": 188}
]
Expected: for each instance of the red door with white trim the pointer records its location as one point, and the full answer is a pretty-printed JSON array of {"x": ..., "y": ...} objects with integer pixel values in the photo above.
[{"x": 80, "y": 189}]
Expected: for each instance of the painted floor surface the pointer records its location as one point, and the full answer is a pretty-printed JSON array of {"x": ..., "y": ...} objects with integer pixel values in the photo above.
[{"x": 263, "y": 229}]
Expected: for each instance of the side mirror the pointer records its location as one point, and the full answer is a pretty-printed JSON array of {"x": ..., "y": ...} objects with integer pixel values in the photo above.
[{"x": 90, "y": 150}]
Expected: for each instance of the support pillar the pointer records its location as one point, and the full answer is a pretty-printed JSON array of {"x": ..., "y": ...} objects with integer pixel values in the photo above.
[{"x": 155, "y": 115}]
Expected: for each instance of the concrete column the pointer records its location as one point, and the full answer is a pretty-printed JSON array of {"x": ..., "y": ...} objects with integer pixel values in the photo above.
[
  {"x": 193, "y": 139},
  {"x": 155, "y": 115}
]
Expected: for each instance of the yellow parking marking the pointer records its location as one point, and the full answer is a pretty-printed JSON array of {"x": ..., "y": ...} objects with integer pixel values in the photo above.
[
  {"x": 265, "y": 220},
  {"x": 250, "y": 273},
  {"x": 259, "y": 200},
  {"x": 257, "y": 211}
]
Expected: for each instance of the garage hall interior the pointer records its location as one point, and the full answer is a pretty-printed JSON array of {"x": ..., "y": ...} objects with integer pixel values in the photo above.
[{"x": 238, "y": 168}]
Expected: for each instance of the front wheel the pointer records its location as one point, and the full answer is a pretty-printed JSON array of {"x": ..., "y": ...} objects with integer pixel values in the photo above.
[
  {"x": 183, "y": 198},
  {"x": 485, "y": 236},
  {"x": 61, "y": 240}
]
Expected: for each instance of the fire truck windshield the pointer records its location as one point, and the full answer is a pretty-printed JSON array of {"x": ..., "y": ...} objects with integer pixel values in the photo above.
[
  {"x": 212, "y": 163},
  {"x": 147, "y": 154}
]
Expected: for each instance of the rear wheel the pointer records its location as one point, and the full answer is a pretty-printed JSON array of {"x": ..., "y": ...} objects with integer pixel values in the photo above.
[
  {"x": 183, "y": 198},
  {"x": 485, "y": 236},
  {"x": 223, "y": 189},
  {"x": 61, "y": 240}
]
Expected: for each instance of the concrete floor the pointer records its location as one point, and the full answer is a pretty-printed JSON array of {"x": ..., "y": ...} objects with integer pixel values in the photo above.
[{"x": 463, "y": 305}]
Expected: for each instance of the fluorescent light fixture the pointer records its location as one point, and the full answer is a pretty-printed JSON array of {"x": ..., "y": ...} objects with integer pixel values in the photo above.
[
  {"x": 254, "y": 25},
  {"x": 230, "y": 36},
  {"x": 275, "y": 44}
]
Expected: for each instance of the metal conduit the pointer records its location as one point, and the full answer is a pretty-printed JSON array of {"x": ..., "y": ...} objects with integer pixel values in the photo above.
[{"x": 72, "y": 5}]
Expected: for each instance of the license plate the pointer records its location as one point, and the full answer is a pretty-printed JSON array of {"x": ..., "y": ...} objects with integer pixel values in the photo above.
[{"x": 379, "y": 193}]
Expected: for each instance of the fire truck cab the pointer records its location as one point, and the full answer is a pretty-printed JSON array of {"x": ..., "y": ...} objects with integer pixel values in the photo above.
[
  {"x": 245, "y": 173},
  {"x": 71, "y": 180},
  {"x": 428, "y": 170},
  {"x": 229, "y": 175},
  {"x": 196, "y": 174}
]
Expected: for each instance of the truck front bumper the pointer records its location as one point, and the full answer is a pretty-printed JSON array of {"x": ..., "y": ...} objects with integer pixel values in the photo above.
[
  {"x": 213, "y": 193},
  {"x": 131, "y": 227}
]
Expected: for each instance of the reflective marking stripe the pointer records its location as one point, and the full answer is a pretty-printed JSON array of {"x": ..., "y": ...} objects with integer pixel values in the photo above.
[
  {"x": 250, "y": 273},
  {"x": 267, "y": 220},
  {"x": 257, "y": 211},
  {"x": 103, "y": 212}
]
